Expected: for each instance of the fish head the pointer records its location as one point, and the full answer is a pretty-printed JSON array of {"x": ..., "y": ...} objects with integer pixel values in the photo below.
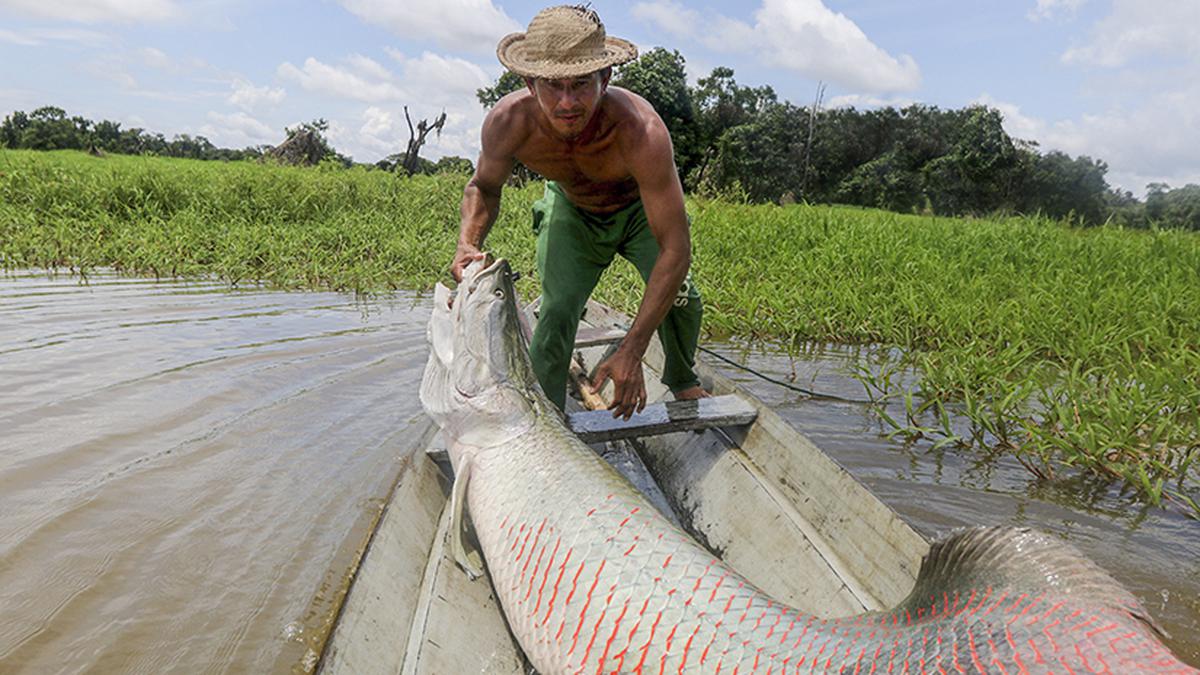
[{"x": 478, "y": 378}]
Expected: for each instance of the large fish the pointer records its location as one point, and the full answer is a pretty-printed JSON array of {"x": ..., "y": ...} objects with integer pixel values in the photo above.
[{"x": 593, "y": 579}]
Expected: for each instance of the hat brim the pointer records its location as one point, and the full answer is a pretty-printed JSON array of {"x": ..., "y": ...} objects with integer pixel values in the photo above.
[{"x": 513, "y": 54}]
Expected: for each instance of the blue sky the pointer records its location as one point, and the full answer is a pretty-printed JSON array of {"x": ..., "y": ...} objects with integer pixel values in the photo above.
[{"x": 1117, "y": 80}]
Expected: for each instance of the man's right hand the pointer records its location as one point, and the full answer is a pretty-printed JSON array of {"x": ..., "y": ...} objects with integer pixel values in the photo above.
[{"x": 464, "y": 255}]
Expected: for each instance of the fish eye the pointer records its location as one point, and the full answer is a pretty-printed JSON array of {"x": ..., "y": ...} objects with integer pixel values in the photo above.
[{"x": 498, "y": 293}]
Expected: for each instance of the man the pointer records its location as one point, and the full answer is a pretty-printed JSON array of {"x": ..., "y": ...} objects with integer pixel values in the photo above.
[{"x": 612, "y": 189}]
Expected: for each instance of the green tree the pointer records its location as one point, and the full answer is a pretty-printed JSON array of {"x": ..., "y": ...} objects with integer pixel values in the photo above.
[
  {"x": 977, "y": 175},
  {"x": 453, "y": 164},
  {"x": 844, "y": 140},
  {"x": 722, "y": 104},
  {"x": 49, "y": 128},
  {"x": 660, "y": 77},
  {"x": 1060, "y": 185},
  {"x": 506, "y": 84},
  {"x": 762, "y": 157},
  {"x": 886, "y": 182},
  {"x": 1174, "y": 208},
  {"x": 13, "y": 129},
  {"x": 107, "y": 135}
]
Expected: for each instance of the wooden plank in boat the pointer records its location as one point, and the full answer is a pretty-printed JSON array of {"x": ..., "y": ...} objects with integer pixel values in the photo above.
[
  {"x": 458, "y": 626},
  {"x": 660, "y": 418},
  {"x": 591, "y": 337},
  {"x": 411, "y": 610}
]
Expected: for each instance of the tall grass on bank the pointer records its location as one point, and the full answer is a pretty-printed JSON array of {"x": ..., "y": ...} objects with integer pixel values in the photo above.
[
  {"x": 1073, "y": 349},
  {"x": 242, "y": 221}
]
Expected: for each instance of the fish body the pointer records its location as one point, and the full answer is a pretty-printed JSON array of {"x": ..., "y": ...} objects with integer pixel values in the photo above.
[{"x": 593, "y": 579}]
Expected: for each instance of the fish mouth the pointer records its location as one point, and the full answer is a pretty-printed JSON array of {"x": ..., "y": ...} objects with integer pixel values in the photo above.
[
  {"x": 491, "y": 267},
  {"x": 484, "y": 277}
]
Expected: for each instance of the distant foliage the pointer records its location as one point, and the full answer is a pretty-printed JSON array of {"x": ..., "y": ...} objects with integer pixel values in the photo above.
[
  {"x": 306, "y": 145},
  {"x": 660, "y": 78},
  {"x": 49, "y": 128},
  {"x": 1180, "y": 206},
  {"x": 449, "y": 164},
  {"x": 507, "y": 84},
  {"x": 741, "y": 142}
]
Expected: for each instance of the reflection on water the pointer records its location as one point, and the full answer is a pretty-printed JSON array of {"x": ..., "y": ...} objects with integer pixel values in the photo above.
[
  {"x": 1155, "y": 553},
  {"x": 187, "y": 472}
]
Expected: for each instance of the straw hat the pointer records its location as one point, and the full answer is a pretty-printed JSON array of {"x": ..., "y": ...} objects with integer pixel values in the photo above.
[{"x": 563, "y": 41}]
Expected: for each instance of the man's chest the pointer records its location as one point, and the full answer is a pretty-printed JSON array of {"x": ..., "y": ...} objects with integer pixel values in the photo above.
[{"x": 577, "y": 164}]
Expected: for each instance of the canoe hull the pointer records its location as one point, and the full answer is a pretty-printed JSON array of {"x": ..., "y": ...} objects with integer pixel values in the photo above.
[{"x": 763, "y": 498}]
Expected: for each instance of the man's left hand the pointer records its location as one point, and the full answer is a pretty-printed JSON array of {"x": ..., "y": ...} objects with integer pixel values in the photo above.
[{"x": 624, "y": 368}]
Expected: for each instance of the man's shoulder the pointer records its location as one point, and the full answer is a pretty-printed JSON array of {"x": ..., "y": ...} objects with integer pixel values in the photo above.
[
  {"x": 510, "y": 118},
  {"x": 512, "y": 108},
  {"x": 628, "y": 107},
  {"x": 636, "y": 119}
]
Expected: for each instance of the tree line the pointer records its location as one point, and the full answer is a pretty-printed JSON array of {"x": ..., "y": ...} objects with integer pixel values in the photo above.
[
  {"x": 742, "y": 142},
  {"x": 51, "y": 128}
]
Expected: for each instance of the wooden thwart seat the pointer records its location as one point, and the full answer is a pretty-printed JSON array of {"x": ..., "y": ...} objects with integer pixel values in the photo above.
[
  {"x": 591, "y": 337},
  {"x": 593, "y": 426}
]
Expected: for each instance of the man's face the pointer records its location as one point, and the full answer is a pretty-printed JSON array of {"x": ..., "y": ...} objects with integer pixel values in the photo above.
[{"x": 569, "y": 103}]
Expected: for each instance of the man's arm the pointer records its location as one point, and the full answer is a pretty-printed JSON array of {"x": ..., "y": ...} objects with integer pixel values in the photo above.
[
  {"x": 651, "y": 160},
  {"x": 481, "y": 197}
]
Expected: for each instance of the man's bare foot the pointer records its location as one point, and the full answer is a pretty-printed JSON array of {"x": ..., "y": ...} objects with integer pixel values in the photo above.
[{"x": 691, "y": 393}]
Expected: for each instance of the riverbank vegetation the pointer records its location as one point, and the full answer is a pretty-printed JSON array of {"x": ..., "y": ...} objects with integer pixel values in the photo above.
[{"x": 1076, "y": 349}]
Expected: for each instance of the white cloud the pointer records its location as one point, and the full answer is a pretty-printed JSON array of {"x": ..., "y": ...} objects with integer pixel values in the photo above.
[
  {"x": 428, "y": 85},
  {"x": 20, "y": 39},
  {"x": 95, "y": 11},
  {"x": 156, "y": 58},
  {"x": 1149, "y": 142},
  {"x": 368, "y": 67},
  {"x": 1138, "y": 28},
  {"x": 247, "y": 96},
  {"x": 868, "y": 101},
  {"x": 1141, "y": 60},
  {"x": 238, "y": 130},
  {"x": 39, "y": 37},
  {"x": 348, "y": 83},
  {"x": 112, "y": 69},
  {"x": 376, "y": 122},
  {"x": 469, "y": 25},
  {"x": 672, "y": 17},
  {"x": 1048, "y": 9},
  {"x": 800, "y": 35},
  {"x": 443, "y": 81}
]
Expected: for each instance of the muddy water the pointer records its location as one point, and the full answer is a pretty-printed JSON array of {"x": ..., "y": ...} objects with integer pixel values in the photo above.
[
  {"x": 1155, "y": 553},
  {"x": 185, "y": 472}
]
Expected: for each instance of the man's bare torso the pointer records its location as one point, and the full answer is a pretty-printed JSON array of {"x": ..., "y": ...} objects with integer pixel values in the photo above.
[{"x": 591, "y": 168}]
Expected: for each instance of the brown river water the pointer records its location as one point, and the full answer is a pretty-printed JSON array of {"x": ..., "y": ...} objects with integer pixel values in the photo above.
[{"x": 187, "y": 472}]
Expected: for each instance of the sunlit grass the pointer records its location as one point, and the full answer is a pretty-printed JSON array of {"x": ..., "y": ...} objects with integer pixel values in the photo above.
[{"x": 1073, "y": 349}]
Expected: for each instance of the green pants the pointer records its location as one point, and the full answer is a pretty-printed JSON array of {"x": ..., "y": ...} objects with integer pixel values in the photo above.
[{"x": 573, "y": 248}]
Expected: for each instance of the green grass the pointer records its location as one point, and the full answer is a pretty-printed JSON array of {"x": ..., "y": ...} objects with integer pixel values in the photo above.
[{"x": 1074, "y": 349}]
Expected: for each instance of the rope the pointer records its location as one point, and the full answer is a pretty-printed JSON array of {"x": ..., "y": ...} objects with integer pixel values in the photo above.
[{"x": 786, "y": 385}]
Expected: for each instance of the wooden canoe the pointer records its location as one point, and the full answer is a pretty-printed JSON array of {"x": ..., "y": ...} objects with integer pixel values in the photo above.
[{"x": 758, "y": 494}]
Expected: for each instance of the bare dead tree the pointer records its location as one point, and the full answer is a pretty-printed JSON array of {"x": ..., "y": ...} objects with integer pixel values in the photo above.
[
  {"x": 417, "y": 138},
  {"x": 812, "y": 123}
]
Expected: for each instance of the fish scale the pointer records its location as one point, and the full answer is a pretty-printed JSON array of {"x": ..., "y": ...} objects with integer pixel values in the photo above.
[{"x": 593, "y": 579}]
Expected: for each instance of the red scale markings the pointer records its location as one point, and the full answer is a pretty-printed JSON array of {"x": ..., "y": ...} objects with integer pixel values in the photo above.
[
  {"x": 583, "y": 612},
  {"x": 554, "y": 594},
  {"x": 546, "y": 577}
]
